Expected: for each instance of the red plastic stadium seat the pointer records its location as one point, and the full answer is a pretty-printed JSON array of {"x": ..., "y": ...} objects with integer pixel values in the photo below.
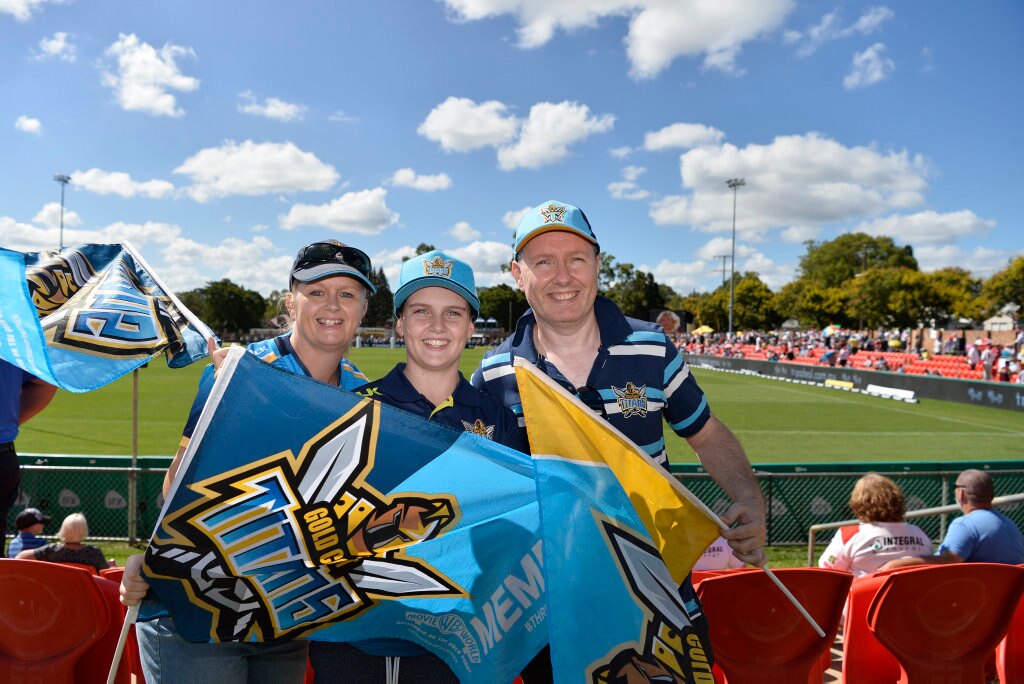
[
  {"x": 865, "y": 659},
  {"x": 759, "y": 636},
  {"x": 1010, "y": 652},
  {"x": 943, "y": 621},
  {"x": 82, "y": 566},
  {"x": 49, "y": 617},
  {"x": 94, "y": 665}
]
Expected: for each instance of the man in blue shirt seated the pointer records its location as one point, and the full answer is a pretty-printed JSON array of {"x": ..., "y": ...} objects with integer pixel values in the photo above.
[
  {"x": 30, "y": 522},
  {"x": 981, "y": 535}
]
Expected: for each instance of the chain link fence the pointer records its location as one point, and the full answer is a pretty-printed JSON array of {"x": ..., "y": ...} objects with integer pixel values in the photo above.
[
  {"x": 798, "y": 496},
  {"x": 122, "y": 503}
]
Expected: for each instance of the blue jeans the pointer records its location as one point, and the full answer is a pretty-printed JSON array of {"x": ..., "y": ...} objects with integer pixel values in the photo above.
[
  {"x": 169, "y": 659},
  {"x": 337, "y": 662}
]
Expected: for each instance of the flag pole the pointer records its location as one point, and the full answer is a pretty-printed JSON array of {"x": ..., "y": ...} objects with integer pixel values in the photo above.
[
  {"x": 792, "y": 599},
  {"x": 129, "y": 620}
]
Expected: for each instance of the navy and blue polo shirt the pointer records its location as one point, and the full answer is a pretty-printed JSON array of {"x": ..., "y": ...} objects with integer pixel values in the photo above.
[
  {"x": 466, "y": 409},
  {"x": 638, "y": 378},
  {"x": 278, "y": 352}
]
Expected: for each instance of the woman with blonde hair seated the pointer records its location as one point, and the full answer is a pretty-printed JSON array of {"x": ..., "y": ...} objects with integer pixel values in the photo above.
[
  {"x": 881, "y": 535},
  {"x": 70, "y": 549}
]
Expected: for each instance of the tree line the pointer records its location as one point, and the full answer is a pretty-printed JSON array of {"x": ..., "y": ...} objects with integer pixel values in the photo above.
[{"x": 856, "y": 281}]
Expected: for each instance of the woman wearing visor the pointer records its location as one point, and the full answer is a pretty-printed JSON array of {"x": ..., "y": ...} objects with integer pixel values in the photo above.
[{"x": 327, "y": 298}]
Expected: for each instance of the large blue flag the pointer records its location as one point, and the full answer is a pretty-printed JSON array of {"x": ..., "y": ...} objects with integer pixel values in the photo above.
[
  {"x": 82, "y": 317},
  {"x": 304, "y": 511}
]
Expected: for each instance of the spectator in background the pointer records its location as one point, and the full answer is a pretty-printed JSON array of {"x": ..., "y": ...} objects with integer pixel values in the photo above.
[
  {"x": 881, "y": 535},
  {"x": 22, "y": 395},
  {"x": 988, "y": 359},
  {"x": 980, "y": 535},
  {"x": 30, "y": 522},
  {"x": 973, "y": 356},
  {"x": 718, "y": 556},
  {"x": 70, "y": 548}
]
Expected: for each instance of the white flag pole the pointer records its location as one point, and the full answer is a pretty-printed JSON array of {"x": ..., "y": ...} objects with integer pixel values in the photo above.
[{"x": 129, "y": 620}]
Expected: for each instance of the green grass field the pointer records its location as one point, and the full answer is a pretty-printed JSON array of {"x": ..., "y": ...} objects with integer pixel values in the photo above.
[{"x": 777, "y": 422}]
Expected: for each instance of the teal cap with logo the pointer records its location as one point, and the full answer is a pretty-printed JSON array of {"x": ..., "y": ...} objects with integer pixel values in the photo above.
[
  {"x": 436, "y": 269},
  {"x": 551, "y": 216}
]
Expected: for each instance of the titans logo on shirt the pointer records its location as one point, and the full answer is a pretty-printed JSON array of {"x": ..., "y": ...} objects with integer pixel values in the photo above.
[
  {"x": 437, "y": 267},
  {"x": 477, "y": 427},
  {"x": 288, "y": 543},
  {"x": 669, "y": 649},
  {"x": 111, "y": 313},
  {"x": 632, "y": 400}
]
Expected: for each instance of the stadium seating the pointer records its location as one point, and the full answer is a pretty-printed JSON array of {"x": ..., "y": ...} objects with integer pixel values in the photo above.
[
  {"x": 82, "y": 566},
  {"x": 94, "y": 665},
  {"x": 943, "y": 621},
  {"x": 759, "y": 636},
  {"x": 1010, "y": 652},
  {"x": 50, "y": 617},
  {"x": 865, "y": 659}
]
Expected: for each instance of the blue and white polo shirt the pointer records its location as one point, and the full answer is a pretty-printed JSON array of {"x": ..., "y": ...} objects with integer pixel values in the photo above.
[{"x": 638, "y": 378}]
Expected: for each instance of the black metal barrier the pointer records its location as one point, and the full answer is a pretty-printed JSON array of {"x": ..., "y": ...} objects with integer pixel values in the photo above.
[{"x": 978, "y": 392}]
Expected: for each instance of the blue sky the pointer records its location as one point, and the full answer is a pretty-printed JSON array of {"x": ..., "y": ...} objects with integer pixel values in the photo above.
[{"x": 220, "y": 137}]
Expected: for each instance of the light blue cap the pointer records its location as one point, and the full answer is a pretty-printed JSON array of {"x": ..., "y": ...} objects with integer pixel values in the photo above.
[
  {"x": 550, "y": 216},
  {"x": 436, "y": 269}
]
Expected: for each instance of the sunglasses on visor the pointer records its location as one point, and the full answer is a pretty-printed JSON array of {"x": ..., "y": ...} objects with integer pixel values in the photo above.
[{"x": 326, "y": 253}]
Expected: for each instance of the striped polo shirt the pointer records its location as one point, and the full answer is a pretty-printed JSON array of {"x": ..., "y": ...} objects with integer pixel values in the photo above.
[{"x": 638, "y": 379}]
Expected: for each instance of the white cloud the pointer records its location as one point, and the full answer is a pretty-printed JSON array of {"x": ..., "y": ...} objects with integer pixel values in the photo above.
[
  {"x": 869, "y": 67},
  {"x": 928, "y": 227},
  {"x": 829, "y": 29},
  {"x": 272, "y": 108},
  {"x": 487, "y": 258},
  {"x": 339, "y": 115},
  {"x": 253, "y": 168},
  {"x": 799, "y": 234},
  {"x": 683, "y": 277},
  {"x": 512, "y": 218},
  {"x": 463, "y": 232},
  {"x": 716, "y": 247},
  {"x": 391, "y": 261},
  {"x": 144, "y": 75},
  {"x": 684, "y": 135},
  {"x": 29, "y": 125},
  {"x": 462, "y": 125},
  {"x": 982, "y": 262},
  {"x": 118, "y": 183},
  {"x": 620, "y": 152},
  {"x": 364, "y": 212},
  {"x": 409, "y": 179},
  {"x": 49, "y": 217},
  {"x": 799, "y": 180},
  {"x": 544, "y": 137},
  {"x": 549, "y": 131},
  {"x": 22, "y": 10},
  {"x": 627, "y": 189},
  {"x": 57, "y": 47},
  {"x": 659, "y": 30}
]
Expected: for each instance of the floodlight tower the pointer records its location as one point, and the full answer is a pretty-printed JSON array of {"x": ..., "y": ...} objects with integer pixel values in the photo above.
[
  {"x": 63, "y": 180},
  {"x": 735, "y": 184}
]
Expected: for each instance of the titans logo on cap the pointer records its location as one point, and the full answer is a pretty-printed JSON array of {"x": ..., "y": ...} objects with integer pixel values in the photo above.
[
  {"x": 437, "y": 267},
  {"x": 553, "y": 213}
]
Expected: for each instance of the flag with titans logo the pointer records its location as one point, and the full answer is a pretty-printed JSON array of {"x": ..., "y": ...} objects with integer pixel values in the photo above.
[{"x": 83, "y": 316}]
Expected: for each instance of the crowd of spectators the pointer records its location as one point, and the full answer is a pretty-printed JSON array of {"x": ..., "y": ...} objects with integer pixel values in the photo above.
[{"x": 942, "y": 353}]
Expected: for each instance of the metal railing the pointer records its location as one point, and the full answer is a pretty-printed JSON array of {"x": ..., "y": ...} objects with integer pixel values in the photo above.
[{"x": 919, "y": 513}]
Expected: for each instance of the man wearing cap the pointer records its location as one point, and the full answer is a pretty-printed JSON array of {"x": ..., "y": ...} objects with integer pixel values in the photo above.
[
  {"x": 435, "y": 305},
  {"x": 22, "y": 395},
  {"x": 29, "y": 522},
  {"x": 585, "y": 343},
  {"x": 981, "y": 535}
]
